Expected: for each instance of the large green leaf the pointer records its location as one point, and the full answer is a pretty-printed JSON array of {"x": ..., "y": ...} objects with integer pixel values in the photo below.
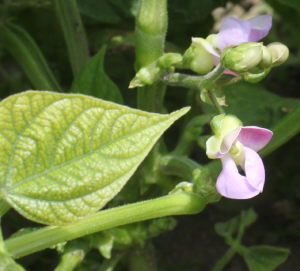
[
  {"x": 93, "y": 80},
  {"x": 264, "y": 258},
  {"x": 64, "y": 156}
]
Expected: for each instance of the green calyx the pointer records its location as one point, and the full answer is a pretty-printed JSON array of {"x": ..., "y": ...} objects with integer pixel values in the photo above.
[
  {"x": 243, "y": 57},
  {"x": 151, "y": 73},
  {"x": 197, "y": 58}
]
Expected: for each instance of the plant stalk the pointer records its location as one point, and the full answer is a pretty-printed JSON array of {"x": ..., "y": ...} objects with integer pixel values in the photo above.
[
  {"x": 74, "y": 33},
  {"x": 174, "y": 204}
]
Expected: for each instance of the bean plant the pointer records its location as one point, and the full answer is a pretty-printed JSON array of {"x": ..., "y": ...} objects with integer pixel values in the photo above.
[{"x": 97, "y": 168}]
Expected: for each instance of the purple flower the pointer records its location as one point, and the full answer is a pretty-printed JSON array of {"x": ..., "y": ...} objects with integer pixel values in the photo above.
[
  {"x": 235, "y": 31},
  {"x": 239, "y": 147}
]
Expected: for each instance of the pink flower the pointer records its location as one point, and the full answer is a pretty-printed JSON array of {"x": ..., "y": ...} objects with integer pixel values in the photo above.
[
  {"x": 239, "y": 147},
  {"x": 235, "y": 31}
]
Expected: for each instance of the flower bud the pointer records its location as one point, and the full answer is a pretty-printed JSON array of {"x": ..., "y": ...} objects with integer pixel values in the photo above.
[
  {"x": 242, "y": 57},
  {"x": 279, "y": 52},
  {"x": 222, "y": 124},
  {"x": 197, "y": 58},
  {"x": 168, "y": 60},
  {"x": 145, "y": 76},
  {"x": 266, "y": 60}
]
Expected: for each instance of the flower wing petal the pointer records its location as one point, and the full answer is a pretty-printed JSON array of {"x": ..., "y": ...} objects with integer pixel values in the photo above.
[
  {"x": 233, "y": 185},
  {"x": 254, "y": 169},
  {"x": 229, "y": 139},
  {"x": 209, "y": 48},
  {"x": 260, "y": 27},
  {"x": 254, "y": 137},
  {"x": 233, "y": 32}
]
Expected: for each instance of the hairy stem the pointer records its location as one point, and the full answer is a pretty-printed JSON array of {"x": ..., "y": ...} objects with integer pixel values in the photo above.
[
  {"x": 193, "y": 81},
  {"x": 175, "y": 204},
  {"x": 150, "y": 34}
]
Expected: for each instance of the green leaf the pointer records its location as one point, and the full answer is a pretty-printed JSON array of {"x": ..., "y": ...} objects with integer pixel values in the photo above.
[
  {"x": 254, "y": 105},
  {"x": 291, "y": 3},
  {"x": 240, "y": 222},
  {"x": 105, "y": 245},
  {"x": 108, "y": 11},
  {"x": 93, "y": 80},
  {"x": 264, "y": 258},
  {"x": 28, "y": 55},
  {"x": 64, "y": 156}
]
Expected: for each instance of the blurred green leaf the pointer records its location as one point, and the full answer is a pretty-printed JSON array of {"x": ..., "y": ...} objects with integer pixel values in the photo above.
[
  {"x": 70, "y": 260},
  {"x": 93, "y": 80},
  {"x": 240, "y": 222},
  {"x": 291, "y": 3},
  {"x": 105, "y": 245},
  {"x": 264, "y": 258},
  {"x": 27, "y": 53},
  {"x": 108, "y": 11},
  {"x": 254, "y": 105},
  {"x": 64, "y": 156}
]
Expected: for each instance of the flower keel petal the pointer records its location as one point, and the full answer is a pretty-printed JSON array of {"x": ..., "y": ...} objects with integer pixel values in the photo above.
[
  {"x": 233, "y": 185},
  {"x": 254, "y": 169}
]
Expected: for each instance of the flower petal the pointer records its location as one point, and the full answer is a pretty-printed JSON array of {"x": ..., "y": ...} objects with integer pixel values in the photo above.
[
  {"x": 254, "y": 169},
  {"x": 233, "y": 32},
  {"x": 209, "y": 48},
  {"x": 231, "y": 184},
  {"x": 260, "y": 27},
  {"x": 229, "y": 139},
  {"x": 255, "y": 137}
]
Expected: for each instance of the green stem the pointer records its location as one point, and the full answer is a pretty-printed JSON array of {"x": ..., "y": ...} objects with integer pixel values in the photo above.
[
  {"x": 175, "y": 204},
  {"x": 224, "y": 260},
  {"x": 70, "y": 260},
  {"x": 193, "y": 81},
  {"x": 214, "y": 101},
  {"x": 150, "y": 34},
  {"x": 74, "y": 33}
]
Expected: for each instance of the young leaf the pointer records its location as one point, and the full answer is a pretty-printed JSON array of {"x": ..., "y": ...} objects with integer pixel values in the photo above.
[
  {"x": 244, "y": 220},
  {"x": 93, "y": 80},
  {"x": 64, "y": 156},
  {"x": 264, "y": 258}
]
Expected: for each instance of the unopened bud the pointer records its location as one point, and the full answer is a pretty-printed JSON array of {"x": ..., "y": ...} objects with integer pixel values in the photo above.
[
  {"x": 197, "y": 58},
  {"x": 279, "y": 52},
  {"x": 242, "y": 57},
  {"x": 266, "y": 60},
  {"x": 168, "y": 60},
  {"x": 145, "y": 76},
  {"x": 222, "y": 124}
]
